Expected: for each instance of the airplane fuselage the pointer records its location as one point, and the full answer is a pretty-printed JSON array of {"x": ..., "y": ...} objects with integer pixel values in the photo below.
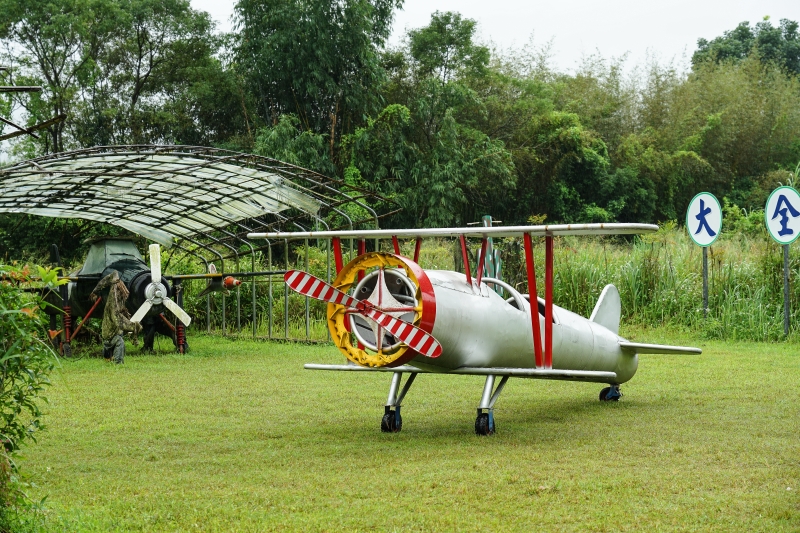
[{"x": 478, "y": 328}]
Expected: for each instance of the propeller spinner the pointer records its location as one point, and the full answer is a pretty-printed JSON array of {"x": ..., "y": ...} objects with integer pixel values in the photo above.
[{"x": 156, "y": 293}]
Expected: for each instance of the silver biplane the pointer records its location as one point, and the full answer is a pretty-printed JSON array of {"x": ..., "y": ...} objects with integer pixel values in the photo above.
[{"x": 385, "y": 313}]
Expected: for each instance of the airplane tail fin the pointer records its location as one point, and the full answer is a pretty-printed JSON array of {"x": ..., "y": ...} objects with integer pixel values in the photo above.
[{"x": 608, "y": 309}]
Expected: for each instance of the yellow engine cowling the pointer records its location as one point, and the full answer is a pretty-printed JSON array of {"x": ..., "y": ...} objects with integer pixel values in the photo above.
[{"x": 408, "y": 289}]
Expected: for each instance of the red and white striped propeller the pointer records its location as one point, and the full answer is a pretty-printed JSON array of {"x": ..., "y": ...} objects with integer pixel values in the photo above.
[{"x": 313, "y": 287}]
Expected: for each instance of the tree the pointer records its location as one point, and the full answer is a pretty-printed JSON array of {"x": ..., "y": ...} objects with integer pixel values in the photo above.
[
  {"x": 56, "y": 44},
  {"x": 424, "y": 149},
  {"x": 160, "y": 52},
  {"x": 317, "y": 60},
  {"x": 772, "y": 44},
  {"x": 124, "y": 71},
  {"x": 444, "y": 49}
]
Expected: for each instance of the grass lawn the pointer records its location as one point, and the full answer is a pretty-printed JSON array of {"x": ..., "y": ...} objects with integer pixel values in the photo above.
[{"x": 236, "y": 436}]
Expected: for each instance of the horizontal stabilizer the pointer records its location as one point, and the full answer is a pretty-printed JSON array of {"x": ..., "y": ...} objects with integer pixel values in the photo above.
[
  {"x": 638, "y": 348},
  {"x": 532, "y": 373}
]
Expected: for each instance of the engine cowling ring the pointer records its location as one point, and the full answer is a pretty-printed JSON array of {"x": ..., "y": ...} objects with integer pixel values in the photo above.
[{"x": 338, "y": 320}]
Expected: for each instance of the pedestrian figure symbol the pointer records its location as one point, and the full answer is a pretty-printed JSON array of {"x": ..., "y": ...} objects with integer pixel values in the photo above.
[
  {"x": 787, "y": 207},
  {"x": 701, "y": 216}
]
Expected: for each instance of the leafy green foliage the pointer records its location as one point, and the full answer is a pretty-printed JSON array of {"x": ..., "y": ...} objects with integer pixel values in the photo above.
[
  {"x": 26, "y": 357},
  {"x": 445, "y": 49},
  {"x": 780, "y": 45},
  {"x": 288, "y": 141},
  {"x": 424, "y": 150},
  {"x": 316, "y": 60},
  {"x": 125, "y": 72}
]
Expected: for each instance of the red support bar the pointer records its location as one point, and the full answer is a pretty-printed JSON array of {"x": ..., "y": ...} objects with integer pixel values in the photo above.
[
  {"x": 548, "y": 303},
  {"x": 396, "y": 245},
  {"x": 337, "y": 254},
  {"x": 180, "y": 336},
  {"x": 87, "y": 317},
  {"x": 67, "y": 320},
  {"x": 167, "y": 322},
  {"x": 534, "y": 300},
  {"x": 362, "y": 249},
  {"x": 482, "y": 259},
  {"x": 416, "y": 249},
  {"x": 465, "y": 258}
]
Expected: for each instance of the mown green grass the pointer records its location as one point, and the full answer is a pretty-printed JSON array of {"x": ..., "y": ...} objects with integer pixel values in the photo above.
[{"x": 236, "y": 436}]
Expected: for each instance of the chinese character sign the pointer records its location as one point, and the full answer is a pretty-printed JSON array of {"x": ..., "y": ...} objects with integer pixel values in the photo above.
[
  {"x": 704, "y": 219},
  {"x": 782, "y": 214}
]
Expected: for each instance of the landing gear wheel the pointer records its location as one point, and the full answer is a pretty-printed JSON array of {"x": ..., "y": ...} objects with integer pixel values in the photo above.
[
  {"x": 391, "y": 422},
  {"x": 483, "y": 426},
  {"x": 610, "y": 394}
]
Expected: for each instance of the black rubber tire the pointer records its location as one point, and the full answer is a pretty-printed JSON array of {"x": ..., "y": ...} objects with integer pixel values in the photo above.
[
  {"x": 391, "y": 424},
  {"x": 482, "y": 425},
  {"x": 605, "y": 392}
]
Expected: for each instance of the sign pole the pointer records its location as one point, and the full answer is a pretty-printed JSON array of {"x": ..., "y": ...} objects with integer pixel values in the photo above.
[
  {"x": 704, "y": 224},
  {"x": 705, "y": 282},
  {"x": 782, "y": 217},
  {"x": 786, "y": 289}
]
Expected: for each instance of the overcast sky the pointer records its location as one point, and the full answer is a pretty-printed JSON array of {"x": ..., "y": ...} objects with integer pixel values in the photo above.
[{"x": 667, "y": 29}]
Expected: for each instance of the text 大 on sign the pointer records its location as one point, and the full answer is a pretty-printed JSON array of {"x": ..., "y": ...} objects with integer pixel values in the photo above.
[
  {"x": 704, "y": 219},
  {"x": 782, "y": 214}
]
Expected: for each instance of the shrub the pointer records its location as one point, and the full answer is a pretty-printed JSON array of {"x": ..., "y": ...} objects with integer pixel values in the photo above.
[{"x": 26, "y": 359}]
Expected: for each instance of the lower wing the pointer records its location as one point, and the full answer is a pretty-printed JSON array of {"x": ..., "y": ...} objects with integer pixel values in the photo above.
[{"x": 532, "y": 373}]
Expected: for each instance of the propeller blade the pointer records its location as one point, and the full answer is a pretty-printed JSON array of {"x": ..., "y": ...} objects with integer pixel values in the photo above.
[
  {"x": 313, "y": 287},
  {"x": 139, "y": 315},
  {"x": 155, "y": 263},
  {"x": 415, "y": 338},
  {"x": 177, "y": 311}
]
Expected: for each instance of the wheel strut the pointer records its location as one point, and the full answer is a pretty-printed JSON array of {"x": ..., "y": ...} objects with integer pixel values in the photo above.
[
  {"x": 484, "y": 423},
  {"x": 392, "y": 422}
]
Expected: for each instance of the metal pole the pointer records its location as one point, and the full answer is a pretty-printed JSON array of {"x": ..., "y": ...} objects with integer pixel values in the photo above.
[
  {"x": 253, "y": 287},
  {"x": 286, "y": 292},
  {"x": 308, "y": 316},
  {"x": 269, "y": 252},
  {"x": 238, "y": 301},
  {"x": 786, "y": 289},
  {"x": 705, "y": 282}
]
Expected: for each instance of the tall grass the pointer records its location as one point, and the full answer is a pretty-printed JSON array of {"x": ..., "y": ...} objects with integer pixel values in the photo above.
[{"x": 659, "y": 277}]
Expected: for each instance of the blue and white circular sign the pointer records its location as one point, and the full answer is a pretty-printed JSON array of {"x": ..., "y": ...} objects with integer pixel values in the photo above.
[
  {"x": 782, "y": 214},
  {"x": 704, "y": 219}
]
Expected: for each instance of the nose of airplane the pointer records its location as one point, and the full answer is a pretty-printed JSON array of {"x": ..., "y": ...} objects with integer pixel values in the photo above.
[
  {"x": 230, "y": 282},
  {"x": 392, "y": 284}
]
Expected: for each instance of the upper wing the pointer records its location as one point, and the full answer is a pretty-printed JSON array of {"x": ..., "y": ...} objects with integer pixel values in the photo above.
[
  {"x": 638, "y": 347},
  {"x": 474, "y": 231},
  {"x": 533, "y": 373}
]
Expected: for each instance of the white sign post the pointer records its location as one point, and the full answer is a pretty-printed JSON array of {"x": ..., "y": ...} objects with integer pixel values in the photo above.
[
  {"x": 782, "y": 216},
  {"x": 704, "y": 224}
]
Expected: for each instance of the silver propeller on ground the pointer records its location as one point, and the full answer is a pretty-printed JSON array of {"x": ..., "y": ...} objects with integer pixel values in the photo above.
[{"x": 156, "y": 293}]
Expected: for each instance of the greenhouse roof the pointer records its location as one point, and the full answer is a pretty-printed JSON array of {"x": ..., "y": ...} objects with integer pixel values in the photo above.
[{"x": 169, "y": 193}]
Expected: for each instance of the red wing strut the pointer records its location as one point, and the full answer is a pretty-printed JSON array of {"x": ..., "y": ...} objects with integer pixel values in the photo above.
[{"x": 313, "y": 287}]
